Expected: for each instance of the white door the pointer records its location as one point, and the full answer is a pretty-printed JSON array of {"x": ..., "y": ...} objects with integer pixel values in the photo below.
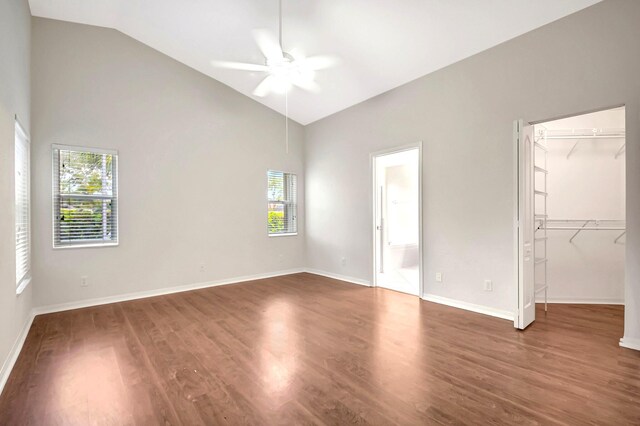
[
  {"x": 526, "y": 224},
  {"x": 397, "y": 242}
]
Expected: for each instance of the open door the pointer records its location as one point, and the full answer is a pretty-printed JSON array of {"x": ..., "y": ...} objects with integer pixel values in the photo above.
[
  {"x": 524, "y": 139},
  {"x": 397, "y": 258}
]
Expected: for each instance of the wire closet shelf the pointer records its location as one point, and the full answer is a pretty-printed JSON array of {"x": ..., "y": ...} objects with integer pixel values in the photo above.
[
  {"x": 579, "y": 135},
  {"x": 580, "y": 225}
]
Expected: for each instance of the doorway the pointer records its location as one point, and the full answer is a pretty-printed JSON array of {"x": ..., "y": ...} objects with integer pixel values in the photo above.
[
  {"x": 571, "y": 183},
  {"x": 397, "y": 219}
]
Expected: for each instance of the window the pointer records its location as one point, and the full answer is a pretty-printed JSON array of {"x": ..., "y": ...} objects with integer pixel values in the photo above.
[
  {"x": 22, "y": 215},
  {"x": 282, "y": 203},
  {"x": 85, "y": 197}
]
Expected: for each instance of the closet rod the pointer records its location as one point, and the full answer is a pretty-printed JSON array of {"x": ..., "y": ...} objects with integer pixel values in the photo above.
[
  {"x": 596, "y": 221},
  {"x": 584, "y": 227},
  {"x": 575, "y": 228},
  {"x": 574, "y": 133},
  {"x": 588, "y": 137}
]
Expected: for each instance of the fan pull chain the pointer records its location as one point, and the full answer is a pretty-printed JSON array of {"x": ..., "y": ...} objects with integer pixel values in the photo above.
[
  {"x": 280, "y": 23},
  {"x": 286, "y": 120}
]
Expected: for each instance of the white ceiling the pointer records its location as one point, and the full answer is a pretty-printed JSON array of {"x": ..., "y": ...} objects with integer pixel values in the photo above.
[{"x": 382, "y": 43}]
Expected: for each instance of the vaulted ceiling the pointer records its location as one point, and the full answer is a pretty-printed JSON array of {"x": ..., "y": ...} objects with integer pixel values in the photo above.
[{"x": 382, "y": 44}]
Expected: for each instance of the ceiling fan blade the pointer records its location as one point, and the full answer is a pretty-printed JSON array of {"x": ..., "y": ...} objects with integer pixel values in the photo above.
[
  {"x": 321, "y": 62},
  {"x": 307, "y": 84},
  {"x": 239, "y": 66},
  {"x": 264, "y": 87},
  {"x": 268, "y": 44},
  {"x": 296, "y": 54}
]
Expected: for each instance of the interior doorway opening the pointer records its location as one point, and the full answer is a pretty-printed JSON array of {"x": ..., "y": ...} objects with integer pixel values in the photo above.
[
  {"x": 572, "y": 198},
  {"x": 397, "y": 219}
]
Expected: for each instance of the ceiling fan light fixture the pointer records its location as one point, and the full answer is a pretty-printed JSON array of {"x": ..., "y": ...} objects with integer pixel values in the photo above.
[
  {"x": 284, "y": 70},
  {"x": 280, "y": 84},
  {"x": 279, "y": 60},
  {"x": 288, "y": 72}
]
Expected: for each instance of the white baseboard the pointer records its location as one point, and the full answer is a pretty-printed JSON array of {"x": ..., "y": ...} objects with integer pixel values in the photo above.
[
  {"x": 498, "y": 313},
  {"x": 339, "y": 277},
  {"x": 429, "y": 297},
  {"x": 158, "y": 292},
  {"x": 12, "y": 357},
  {"x": 629, "y": 343},
  {"x": 583, "y": 301}
]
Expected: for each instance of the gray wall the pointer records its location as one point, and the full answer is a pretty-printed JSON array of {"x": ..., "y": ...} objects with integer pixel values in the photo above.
[
  {"x": 174, "y": 127},
  {"x": 192, "y": 167},
  {"x": 464, "y": 114},
  {"x": 15, "y": 36}
]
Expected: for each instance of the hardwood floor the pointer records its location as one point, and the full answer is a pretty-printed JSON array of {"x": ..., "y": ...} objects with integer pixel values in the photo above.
[{"x": 304, "y": 349}]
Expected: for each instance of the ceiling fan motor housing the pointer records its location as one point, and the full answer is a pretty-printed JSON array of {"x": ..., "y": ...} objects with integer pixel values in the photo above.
[{"x": 286, "y": 57}]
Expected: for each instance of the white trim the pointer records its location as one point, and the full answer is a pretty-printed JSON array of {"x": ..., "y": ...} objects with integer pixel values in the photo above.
[
  {"x": 498, "y": 313},
  {"x": 373, "y": 173},
  {"x": 21, "y": 128},
  {"x": 55, "y": 177},
  {"x": 23, "y": 284},
  {"x": 630, "y": 343},
  {"x": 516, "y": 222},
  {"x": 285, "y": 203},
  {"x": 584, "y": 301},
  {"x": 158, "y": 292},
  {"x": 75, "y": 148},
  {"x": 26, "y": 279},
  {"x": 345, "y": 278},
  {"x": 87, "y": 245},
  {"x": 12, "y": 357},
  {"x": 13, "y": 354},
  {"x": 188, "y": 287}
]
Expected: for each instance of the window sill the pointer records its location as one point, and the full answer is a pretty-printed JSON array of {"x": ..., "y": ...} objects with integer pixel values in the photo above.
[
  {"x": 80, "y": 246},
  {"x": 23, "y": 284},
  {"x": 291, "y": 234}
]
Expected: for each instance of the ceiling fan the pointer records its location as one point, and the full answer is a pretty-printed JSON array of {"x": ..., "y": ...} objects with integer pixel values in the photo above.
[{"x": 283, "y": 69}]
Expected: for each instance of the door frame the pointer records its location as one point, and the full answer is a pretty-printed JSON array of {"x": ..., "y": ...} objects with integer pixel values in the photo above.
[
  {"x": 516, "y": 198},
  {"x": 516, "y": 221},
  {"x": 372, "y": 171}
]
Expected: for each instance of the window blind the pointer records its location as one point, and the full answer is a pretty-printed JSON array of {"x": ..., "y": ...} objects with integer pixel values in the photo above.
[
  {"x": 22, "y": 206},
  {"x": 282, "y": 203},
  {"x": 85, "y": 196}
]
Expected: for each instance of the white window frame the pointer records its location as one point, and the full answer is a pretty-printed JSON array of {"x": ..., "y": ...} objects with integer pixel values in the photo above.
[
  {"x": 289, "y": 207},
  {"x": 21, "y": 136},
  {"x": 56, "y": 176}
]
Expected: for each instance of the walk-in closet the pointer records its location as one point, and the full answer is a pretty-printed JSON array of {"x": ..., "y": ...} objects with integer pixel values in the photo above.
[{"x": 580, "y": 209}]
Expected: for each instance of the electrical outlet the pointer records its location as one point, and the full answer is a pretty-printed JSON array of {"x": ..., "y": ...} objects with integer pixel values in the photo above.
[
  {"x": 84, "y": 281},
  {"x": 202, "y": 267},
  {"x": 343, "y": 261},
  {"x": 281, "y": 258},
  {"x": 488, "y": 285},
  {"x": 438, "y": 277}
]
